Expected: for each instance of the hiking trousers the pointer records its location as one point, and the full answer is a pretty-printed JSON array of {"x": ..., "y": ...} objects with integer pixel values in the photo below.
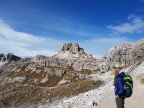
[{"x": 119, "y": 102}]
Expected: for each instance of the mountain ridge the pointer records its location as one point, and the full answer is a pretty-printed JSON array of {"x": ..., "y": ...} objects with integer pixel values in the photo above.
[{"x": 42, "y": 79}]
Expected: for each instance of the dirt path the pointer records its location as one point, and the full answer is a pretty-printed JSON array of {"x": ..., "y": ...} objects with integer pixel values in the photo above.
[{"x": 136, "y": 101}]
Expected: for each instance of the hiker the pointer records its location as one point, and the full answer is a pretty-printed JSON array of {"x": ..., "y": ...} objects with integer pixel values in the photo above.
[{"x": 119, "y": 88}]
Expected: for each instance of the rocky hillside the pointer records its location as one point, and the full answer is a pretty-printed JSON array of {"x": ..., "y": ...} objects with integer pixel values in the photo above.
[{"x": 42, "y": 79}]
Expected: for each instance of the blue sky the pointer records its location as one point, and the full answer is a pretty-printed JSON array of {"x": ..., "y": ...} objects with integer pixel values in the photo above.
[{"x": 31, "y": 27}]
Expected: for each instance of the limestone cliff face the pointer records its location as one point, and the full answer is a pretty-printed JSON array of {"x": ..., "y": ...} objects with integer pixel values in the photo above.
[
  {"x": 72, "y": 47},
  {"x": 125, "y": 54}
]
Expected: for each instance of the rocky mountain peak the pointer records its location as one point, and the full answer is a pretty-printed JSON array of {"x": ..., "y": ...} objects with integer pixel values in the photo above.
[
  {"x": 8, "y": 57},
  {"x": 72, "y": 47},
  {"x": 71, "y": 51}
]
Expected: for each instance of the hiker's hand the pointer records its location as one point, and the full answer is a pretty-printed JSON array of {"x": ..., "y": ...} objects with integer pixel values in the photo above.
[{"x": 116, "y": 96}]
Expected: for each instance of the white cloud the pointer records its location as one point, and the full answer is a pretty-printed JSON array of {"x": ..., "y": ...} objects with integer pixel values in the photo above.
[
  {"x": 135, "y": 24},
  {"x": 25, "y": 44}
]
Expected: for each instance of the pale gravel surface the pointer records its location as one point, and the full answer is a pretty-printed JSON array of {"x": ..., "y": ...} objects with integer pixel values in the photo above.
[
  {"x": 135, "y": 101},
  {"x": 104, "y": 97}
]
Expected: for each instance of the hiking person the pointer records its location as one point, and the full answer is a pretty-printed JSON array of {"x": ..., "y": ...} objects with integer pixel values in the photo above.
[{"x": 119, "y": 88}]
